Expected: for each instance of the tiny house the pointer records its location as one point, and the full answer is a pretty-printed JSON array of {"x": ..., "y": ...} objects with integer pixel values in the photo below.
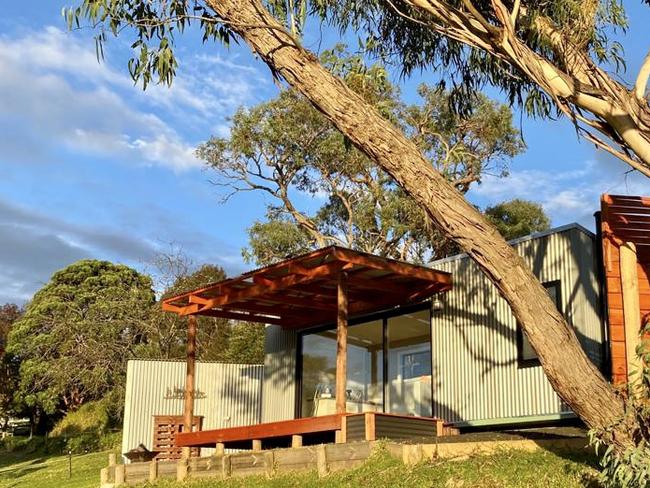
[
  {"x": 459, "y": 356},
  {"x": 363, "y": 347}
]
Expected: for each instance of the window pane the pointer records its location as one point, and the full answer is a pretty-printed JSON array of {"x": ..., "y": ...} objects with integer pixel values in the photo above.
[
  {"x": 409, "y": 364},
  {"x": 364, "y": 386},
  {"x": 318, "y": 370},
  {"x": 527, "y": 353}
]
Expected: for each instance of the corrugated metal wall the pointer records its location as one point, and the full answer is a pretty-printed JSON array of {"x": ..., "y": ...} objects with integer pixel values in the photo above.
[
  {"x": 279, "y": 390},
  {"x": 229, "y": 395},
  {"x": 475, "y": 371}
]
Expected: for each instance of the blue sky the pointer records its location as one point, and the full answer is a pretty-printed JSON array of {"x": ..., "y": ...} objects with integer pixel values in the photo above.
[{"x": 95, "y": 167}]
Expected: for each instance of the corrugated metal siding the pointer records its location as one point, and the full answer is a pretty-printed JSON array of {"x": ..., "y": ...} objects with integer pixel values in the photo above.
[
  {"x": 475, "y": 370},
  {"x": 279, "y": 390},
  {"x": 231, "y": 396}
]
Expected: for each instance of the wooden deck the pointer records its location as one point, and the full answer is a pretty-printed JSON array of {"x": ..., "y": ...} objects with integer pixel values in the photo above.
[{"x": 314, "y": 430}]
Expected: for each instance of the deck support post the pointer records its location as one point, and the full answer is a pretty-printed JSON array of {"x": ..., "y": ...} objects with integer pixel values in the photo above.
[
  {"x": 188, "y": 411},
  {"x": 296, "y": 441},
  {"x": 341, "y": 341},
  {"x": 631, "y": 307},
  {"x": 220, "y": 449},
  {"x": 257, "y": 445}
]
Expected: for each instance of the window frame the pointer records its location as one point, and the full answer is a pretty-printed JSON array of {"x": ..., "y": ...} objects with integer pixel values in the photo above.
[
  {"x": 532, "y": 362},
  {"x": 384, "y": 316}
]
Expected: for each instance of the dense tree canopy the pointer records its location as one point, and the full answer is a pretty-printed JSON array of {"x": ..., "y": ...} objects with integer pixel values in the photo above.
[
  {"x": 286, "y": 149},
  {"x": 517, "y": 218},
  {"x": 77, "y": 333},
  {"x": 9, "y": 314}
]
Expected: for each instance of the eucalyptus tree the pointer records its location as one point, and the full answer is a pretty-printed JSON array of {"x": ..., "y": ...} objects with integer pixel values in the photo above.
[
  {"x": 287, "y": 150},
  {"x": 155, "y": 23}
]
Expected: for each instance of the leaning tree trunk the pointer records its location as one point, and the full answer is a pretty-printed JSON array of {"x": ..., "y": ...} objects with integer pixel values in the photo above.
[{"x": 572, "y": 375}]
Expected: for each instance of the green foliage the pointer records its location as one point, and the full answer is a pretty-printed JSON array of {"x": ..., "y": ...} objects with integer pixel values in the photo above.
[
  {"x": 9, "y": 314},
  {"x": 286, "y": 149},
  {"x": 401, "y": 36},
  {"x": 394, "y": 32},
  {"x": 91, "y": 418},
  {"x": 630, "y": 468},
  {"x": 77, "y": 333},
  {"x": 245, "y": 344},
  {"x": 518, "y": 218}
]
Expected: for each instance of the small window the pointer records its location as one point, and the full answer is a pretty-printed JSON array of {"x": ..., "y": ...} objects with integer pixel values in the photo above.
[{"x": 526, "y": 355}]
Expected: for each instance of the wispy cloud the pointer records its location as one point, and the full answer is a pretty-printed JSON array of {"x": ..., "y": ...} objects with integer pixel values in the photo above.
[
  {"x": 51, "y": 82},
  {"x": 567, "y": 196}
]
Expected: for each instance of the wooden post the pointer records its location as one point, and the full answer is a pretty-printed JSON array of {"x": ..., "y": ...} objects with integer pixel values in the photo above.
[
  {"x": 257, "y": 445},
  {"x": 120, "y": 474},
  {"x": 631, "y": 306},
  {"x": 369, "y": 418},
  {"x": 153, "y": 470},
  {"x": 341, "y": 341},
  {"x": 296, "y": 441},
  {"x": 220, "y": 449},
  {"x": 112, "y": 459},
  {"x": 188, "y": 412}
]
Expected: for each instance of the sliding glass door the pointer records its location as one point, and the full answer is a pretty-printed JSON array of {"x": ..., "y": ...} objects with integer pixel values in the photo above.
[
  {"x": 364, "y": 385},
  {"x": 388, "y": 367},
  {"x": 409, "y": 364}
]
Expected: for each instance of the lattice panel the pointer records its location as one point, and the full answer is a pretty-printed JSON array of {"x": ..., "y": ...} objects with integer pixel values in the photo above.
[{"x": 165, "y": 428}]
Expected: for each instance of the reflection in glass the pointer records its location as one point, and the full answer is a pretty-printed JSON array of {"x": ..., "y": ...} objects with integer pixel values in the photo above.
[
  {"x": 407, "y": 385},
  {"x": 409, "y": 364}
]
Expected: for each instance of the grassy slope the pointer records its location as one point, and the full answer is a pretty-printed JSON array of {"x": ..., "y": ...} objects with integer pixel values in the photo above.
[
  {"x": 506, "y": 469},
  {"x": 22, "y": 470}
]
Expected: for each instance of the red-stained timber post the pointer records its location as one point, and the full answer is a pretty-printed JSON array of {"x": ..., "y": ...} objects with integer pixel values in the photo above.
[
  {"x": 341, "y": 341},
  {"x": 188, "y": 411}
]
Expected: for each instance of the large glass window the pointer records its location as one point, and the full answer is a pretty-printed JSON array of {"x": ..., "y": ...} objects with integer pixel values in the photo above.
[
  {"x": 364, "y": 386},
  {"x": 397, "y": 381},
  {"x": 409, "y": 364}
]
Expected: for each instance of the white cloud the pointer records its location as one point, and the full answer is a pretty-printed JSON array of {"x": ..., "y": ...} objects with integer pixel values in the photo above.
[
  {"x": 52, "y": 84},
  {"x": 567, "y": 196}
]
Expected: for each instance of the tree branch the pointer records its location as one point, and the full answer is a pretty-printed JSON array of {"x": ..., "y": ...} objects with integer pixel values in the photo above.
[{"x": 642, "y": 79}]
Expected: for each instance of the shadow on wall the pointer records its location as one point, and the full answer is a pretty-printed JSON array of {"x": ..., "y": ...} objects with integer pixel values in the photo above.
[{"x": 475, "y": 304}]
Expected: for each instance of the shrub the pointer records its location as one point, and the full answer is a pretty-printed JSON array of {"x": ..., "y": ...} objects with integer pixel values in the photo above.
[
  {"x": 90, "y": 419},
  {"x": 87, "y": 429},
  {"x": 630, "y": 468}
]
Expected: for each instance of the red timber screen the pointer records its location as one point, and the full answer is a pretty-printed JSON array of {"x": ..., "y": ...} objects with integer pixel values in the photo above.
[{"x": 625, "y": 227}]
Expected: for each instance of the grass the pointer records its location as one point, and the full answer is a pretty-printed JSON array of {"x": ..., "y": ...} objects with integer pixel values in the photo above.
[
  {"x": 37, "y": 470},
  {"x": 511, "y": 469}
]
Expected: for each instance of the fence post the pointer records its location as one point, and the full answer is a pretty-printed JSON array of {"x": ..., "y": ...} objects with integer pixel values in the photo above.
[
  {"x": 120, "y": 474},
  {"x": 321, "y": 460},
  {"x": 269, "y": 463},
  {"x": 153, "y": 470},
  {"x": 111, "y": 459},
  {"x": 225, "y": 466},
  {"x": 181, "y": 469}
]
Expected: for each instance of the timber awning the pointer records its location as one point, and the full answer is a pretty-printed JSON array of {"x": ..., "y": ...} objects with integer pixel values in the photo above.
[{"x": 302, "y": 291}]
